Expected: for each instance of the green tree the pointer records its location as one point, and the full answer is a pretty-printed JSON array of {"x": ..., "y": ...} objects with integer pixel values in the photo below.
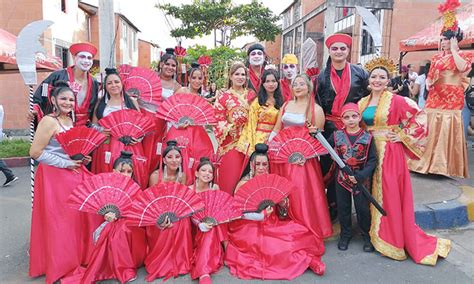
[
  {"x": 222, "y": 57},
  {"x": 202, "y": 17}
]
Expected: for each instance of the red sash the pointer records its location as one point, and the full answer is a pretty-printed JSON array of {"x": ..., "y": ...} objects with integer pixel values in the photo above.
[
  {"x": 255, "y": 80},
  {"x": 341, "y": 86},
  {"x": 285, "y": 89},
  {"x": 82, "y": 111}
]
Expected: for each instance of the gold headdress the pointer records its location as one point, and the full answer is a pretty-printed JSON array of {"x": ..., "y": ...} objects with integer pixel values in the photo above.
[
  {"x": 448, "y": 10},
  {"x": 384, "y": 62}
]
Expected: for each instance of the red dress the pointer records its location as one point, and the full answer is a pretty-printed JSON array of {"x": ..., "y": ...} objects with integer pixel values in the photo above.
[
  {"x": 169, "y": 251},
  {"x": 119, "y": 251},
  {"x": 57, "y": 234},
  {"x": 397, "y": 234},
  {"x": 232, "y": 112},
  {"x": 271, "y": 249},
  {"x": 104, "y": 156},
  {"x": 196, "y": 144},
  {"x": 208, "y": 256},
  {"x": 308, "y": 204},
  {"x": 151, "y": 141}
]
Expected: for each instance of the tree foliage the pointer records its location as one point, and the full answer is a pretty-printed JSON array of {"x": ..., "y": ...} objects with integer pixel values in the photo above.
[
  {"x": 222, "y": 57},
  {"x": 202, "y": 17}
]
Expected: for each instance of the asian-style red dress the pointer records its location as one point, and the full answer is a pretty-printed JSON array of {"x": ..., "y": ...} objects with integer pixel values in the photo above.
[
  {"x": 104, "y": 156},
  {"x": 308, "y": 204},
  {"x": 446, "y": 152},
  {"x": 232, "y": 112},
  {"x": 271, "y": 249},
  {"x": 118, "y": 252},
  {"x": 208, "y": 253},
  {"x": 169, "y": 251},
  {"x": 58, "y": 239},
  {"x": 396, "y": 234}
]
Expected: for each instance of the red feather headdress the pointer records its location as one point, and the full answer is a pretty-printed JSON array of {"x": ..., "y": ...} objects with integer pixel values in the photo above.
[{"x": 448, "y": 10}]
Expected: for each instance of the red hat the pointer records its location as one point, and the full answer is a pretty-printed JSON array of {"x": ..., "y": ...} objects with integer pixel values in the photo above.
[
  {"x": 83, "y": 46},
  {"x": 350, "y": 107},
  {"x": 347, "y": 39}
]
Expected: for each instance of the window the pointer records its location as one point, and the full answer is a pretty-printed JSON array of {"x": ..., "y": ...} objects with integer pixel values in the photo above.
[
  {"x": 63, "y": 53},
  {"x": 343, "y": 12},
  {"x": 63, "y": 6},
  {"x": 288, "y": 43},
  {"x": 297, "y": 11},
  {"x": 287, "y": 19},
  {"x": 134, "y": 41},
  {"x": 298, "y": 32}
]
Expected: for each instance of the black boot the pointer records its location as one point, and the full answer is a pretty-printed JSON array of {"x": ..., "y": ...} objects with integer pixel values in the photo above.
[
  {"x": 368, "y": 247},
  {"x": 343, "y": 243}
]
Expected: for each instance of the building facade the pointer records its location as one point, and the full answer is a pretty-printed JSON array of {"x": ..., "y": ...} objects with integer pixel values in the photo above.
[{"x": 316, "y": 19}]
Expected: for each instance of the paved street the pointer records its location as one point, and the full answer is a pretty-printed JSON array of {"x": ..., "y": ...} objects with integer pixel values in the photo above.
[{"x": 353, "y": 266}]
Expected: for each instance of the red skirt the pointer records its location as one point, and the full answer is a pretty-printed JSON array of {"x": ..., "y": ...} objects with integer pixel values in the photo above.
[
  {"x": 196, "y": 144},
  {"x": 150, "y": 143},
  {"x": 100, "y": 163},
  {"x": 308, "y": 203},
  {"x": 57, "y": 238},
  {"x": 117, "y": 253},
  {"x": 230, "y": 171},
  {"x": 271, "y": 249},
  {"x": 208, "y": 254},
  {"x": 169, "y": 251}
]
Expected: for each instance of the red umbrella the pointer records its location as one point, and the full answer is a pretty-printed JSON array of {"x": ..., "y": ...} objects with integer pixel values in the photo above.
[{"x": 142, "y": 83}]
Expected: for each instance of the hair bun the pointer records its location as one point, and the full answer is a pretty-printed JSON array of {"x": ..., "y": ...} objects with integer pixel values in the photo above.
[
  {"x": 171, "y": 143},
  {"x": 109, "y": 71},
  {"x": 261, "y": 148},
  {"x": 126, "y": 154},
  {"x": 61, "y": 84},
  {"x": 170, "y": 50},
  {"x": 195, "y": 65},
  {"x": 204, "y": 159}
]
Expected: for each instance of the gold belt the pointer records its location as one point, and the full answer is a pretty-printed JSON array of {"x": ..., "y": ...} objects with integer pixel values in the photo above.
[{"x": 380, "y": 132}]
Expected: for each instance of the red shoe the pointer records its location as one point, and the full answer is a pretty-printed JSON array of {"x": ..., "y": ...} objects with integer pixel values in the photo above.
[
  {"x": 205, "y": 279},
  {"x": 317, "y": 266}
]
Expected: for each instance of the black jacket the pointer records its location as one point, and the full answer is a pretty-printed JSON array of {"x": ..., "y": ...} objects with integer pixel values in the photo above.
[{"x": 325, "y": 93}]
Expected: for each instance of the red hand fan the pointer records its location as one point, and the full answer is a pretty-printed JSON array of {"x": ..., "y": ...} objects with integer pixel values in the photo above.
[
  {"x": 127, "y": 124},
  {"x": 80, "y": 141},
  {"x": 104, "y": 193},
  {"x": 170, "y": 199},
  {"x": 180, "y": 51},
  {"x": 219, "y": 208},
  {"x": 142, "y": 83},
  {"x": 204, "y": 60},
  {"x": 187, "y": 108},
  {"x": 294, "y": 145},
  {"x": 262, "y": 191},
  {"x": 312, "y": 72}
]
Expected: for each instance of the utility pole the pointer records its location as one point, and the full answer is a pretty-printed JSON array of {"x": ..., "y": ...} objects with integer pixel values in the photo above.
[{"x": 106, "y": 34}]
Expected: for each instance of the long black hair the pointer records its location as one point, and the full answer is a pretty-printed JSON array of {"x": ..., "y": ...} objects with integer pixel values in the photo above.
[
  {"x": 262, "y": 93},
  {"x": 261, "y": 149},
  {"x": 169, "y": 54},
  {"x": 103, "y": 102},
  {"x": 449, "y": 34},
  {"x": 194, "y": 68}
]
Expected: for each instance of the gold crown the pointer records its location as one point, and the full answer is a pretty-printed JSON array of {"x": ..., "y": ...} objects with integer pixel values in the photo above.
[{"x": 384, "y": 62}]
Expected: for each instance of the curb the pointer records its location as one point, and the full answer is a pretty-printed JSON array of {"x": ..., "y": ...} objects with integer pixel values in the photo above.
[
  {"x": 447, "y": 214},
  {"x": 17, "y": 162}
]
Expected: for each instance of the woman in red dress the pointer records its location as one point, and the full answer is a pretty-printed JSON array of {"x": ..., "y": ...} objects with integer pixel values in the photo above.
[
  {"x": 170, "y": 247},
  {"x": 193, "y": 139},
  {"x": 57, "y": 236},
  {"x": 232, "y": 108},
  {"x": 399, "y": 129},
  {"x": 208, "y": 254},
  {"x": 309, "y": 203},
  {"x": 115, "y": 100},
  {"x": 261, "y": 246},
  {"x": 119, "y": 249}
]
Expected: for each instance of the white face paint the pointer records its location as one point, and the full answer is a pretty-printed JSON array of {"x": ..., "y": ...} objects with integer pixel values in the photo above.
[
  {"x": 290, "y": 71},
  {"x": 84, "y": 60},
  {"x": 256, "y": 57}
]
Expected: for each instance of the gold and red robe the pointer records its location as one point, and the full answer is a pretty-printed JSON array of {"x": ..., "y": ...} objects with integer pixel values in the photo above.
[{"x": 396, "y": 234}]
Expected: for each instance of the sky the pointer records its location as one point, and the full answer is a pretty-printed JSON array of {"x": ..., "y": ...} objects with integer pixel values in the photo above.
[{"x": 154, "y": 28}]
